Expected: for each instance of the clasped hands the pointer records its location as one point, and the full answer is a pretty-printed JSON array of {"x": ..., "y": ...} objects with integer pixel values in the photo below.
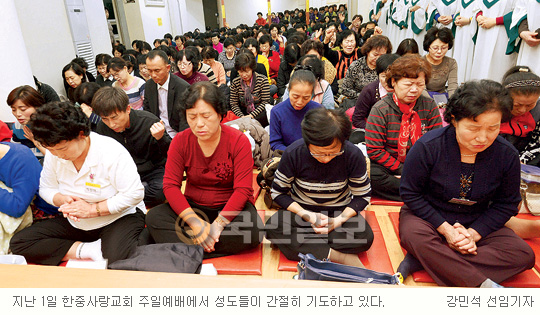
[
  {"x": 74, "y": 208},
  {"x": 321, "y": 223},
  {"x": 461, "y": 239},
  {"x": 204, "y": 233},
  {"x": 486, "y": 22}
]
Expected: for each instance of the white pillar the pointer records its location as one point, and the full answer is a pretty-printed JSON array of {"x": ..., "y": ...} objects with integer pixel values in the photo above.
[{"x": 14, "y": 60}]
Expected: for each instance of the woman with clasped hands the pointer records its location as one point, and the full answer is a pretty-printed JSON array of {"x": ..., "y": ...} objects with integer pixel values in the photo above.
[
  {"x": 216, "y": 209},
  {"x": 94, "y": 182},
  {"x": 460, "y": 185}
]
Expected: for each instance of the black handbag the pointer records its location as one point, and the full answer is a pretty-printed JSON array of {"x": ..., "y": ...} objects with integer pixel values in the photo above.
[
  {"x": 166, "y": 257},
  {"x": 310, "y": 268}
]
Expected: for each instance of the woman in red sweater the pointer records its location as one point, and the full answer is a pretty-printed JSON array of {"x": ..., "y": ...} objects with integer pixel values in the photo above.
[{"x": 216, "y": 209}]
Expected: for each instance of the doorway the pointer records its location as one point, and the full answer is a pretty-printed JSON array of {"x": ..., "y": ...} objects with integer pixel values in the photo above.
[
  {"x": 211, "y": 15},
  {"x": 117, "y": 20}
]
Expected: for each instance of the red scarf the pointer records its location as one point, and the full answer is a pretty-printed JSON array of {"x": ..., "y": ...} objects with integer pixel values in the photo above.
[
  {"x": 410, "y": 128},
  {"x": 519, "y": 126}
]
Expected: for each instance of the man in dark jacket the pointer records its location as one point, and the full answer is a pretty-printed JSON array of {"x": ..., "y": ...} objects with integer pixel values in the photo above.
[
  {"x": 141, "y": 133},
  {"x": 163, "y": 93}
]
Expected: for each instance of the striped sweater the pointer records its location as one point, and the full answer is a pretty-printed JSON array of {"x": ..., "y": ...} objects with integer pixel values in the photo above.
[
  {"x": 261, "y": 96},
  {"x": 382, "y": 129},
  {"x": 135, "y": 92},
  {"x": 342, "y": 182},
  {"x": 340, "y": 60}
]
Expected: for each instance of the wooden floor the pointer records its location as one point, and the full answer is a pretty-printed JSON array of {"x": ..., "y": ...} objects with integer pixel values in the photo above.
[{"x": 271, "y": 255}]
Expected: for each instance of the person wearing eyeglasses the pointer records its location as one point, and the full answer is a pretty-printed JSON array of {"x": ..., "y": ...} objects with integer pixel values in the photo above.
[
  {"x": 322, "y": 184},
  {"x": 132, "y": 85},
  {"x": 188, "y": 62},
  {"x": 397, "y": 121},
  {"x": 444, "y": 70}
]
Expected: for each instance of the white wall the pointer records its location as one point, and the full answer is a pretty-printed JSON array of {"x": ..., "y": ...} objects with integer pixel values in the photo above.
[
  {"x": 192, "y": 15},
  {"x": 14, "y": 60},
  {"x": 47, "y": 36},
  {"x": 362, "y": 8},
  {"x": 150, "y": 16}
]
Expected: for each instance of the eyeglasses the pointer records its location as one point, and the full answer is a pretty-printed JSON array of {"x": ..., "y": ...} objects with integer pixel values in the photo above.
[
  {"x": 442, "y": 48},
  {"x": 184, "y": 64},
  {"x": 316, "y": 155}
]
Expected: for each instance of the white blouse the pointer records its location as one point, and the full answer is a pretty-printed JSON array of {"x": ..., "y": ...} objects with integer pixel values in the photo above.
[{"x": 108, "y": 173}]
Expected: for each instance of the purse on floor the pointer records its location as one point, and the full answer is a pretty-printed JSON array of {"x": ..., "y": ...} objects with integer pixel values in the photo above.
[
  {"x": 530, "y": 189},
  {"x": 310, "y": 268}
]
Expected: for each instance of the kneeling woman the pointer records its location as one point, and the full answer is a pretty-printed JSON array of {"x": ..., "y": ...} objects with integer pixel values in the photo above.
[
  {"x": 217, "y": 204},
  {"x": 94, "y": 181},
  {"x": 460, "y": 185},
  {"x": 322, "y": 184}
]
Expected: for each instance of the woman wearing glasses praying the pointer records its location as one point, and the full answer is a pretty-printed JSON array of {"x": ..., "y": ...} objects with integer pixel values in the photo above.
[
  {"x": 397, "y": 121},
  {"x": 322, "y": 185},
  {"x": 444, "y": 70},
  {"x": 188, "y": 63}
]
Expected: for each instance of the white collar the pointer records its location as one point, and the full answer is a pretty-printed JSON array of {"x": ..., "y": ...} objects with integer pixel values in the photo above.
[{"x": 166, "y": 84}]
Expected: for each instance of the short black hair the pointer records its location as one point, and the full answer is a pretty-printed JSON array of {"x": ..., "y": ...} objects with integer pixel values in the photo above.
[
  {"x": 158, "y": 53},
  {"x": 81, "y": 62},
  {"x": 245, "y": 60},
  {"x": 384, "y": 61},
  {"x": 316, "y": 65},
  {"x": 312, "y": 44},
  {"x": 228, "y": 42},
  {"x": 443, "y": 34},
  {"x": 474, "y": 98},
  {"x": 207, "y": 92},
  {"x": 321, "y": 127},
  {"x": 78, "y": 70},
  {"x": 359, "y": 16},
  {"x": 102, "y": 59},
  {"x": 252, "y": 42},
  {"x": 209, "y": 52},
  {"x": 109, "y": 100},
  {"x": 265, "y": 39},
  {"x": 192, "y": 55},
  {"x": 84, "y": 93},
  {"x": 168, "y": 35},
  {"x": 55, "y": 122},
  {"x": 141, "y": 59},
  {"x": 291, "y": 53},
  {"x": 274, "y": 25},
  {"x": 117, "y": 64},
  {"x": 120, "y": 48},
  {"x": 344, "y": 34},
  {"x": 301, "y": 75}
]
